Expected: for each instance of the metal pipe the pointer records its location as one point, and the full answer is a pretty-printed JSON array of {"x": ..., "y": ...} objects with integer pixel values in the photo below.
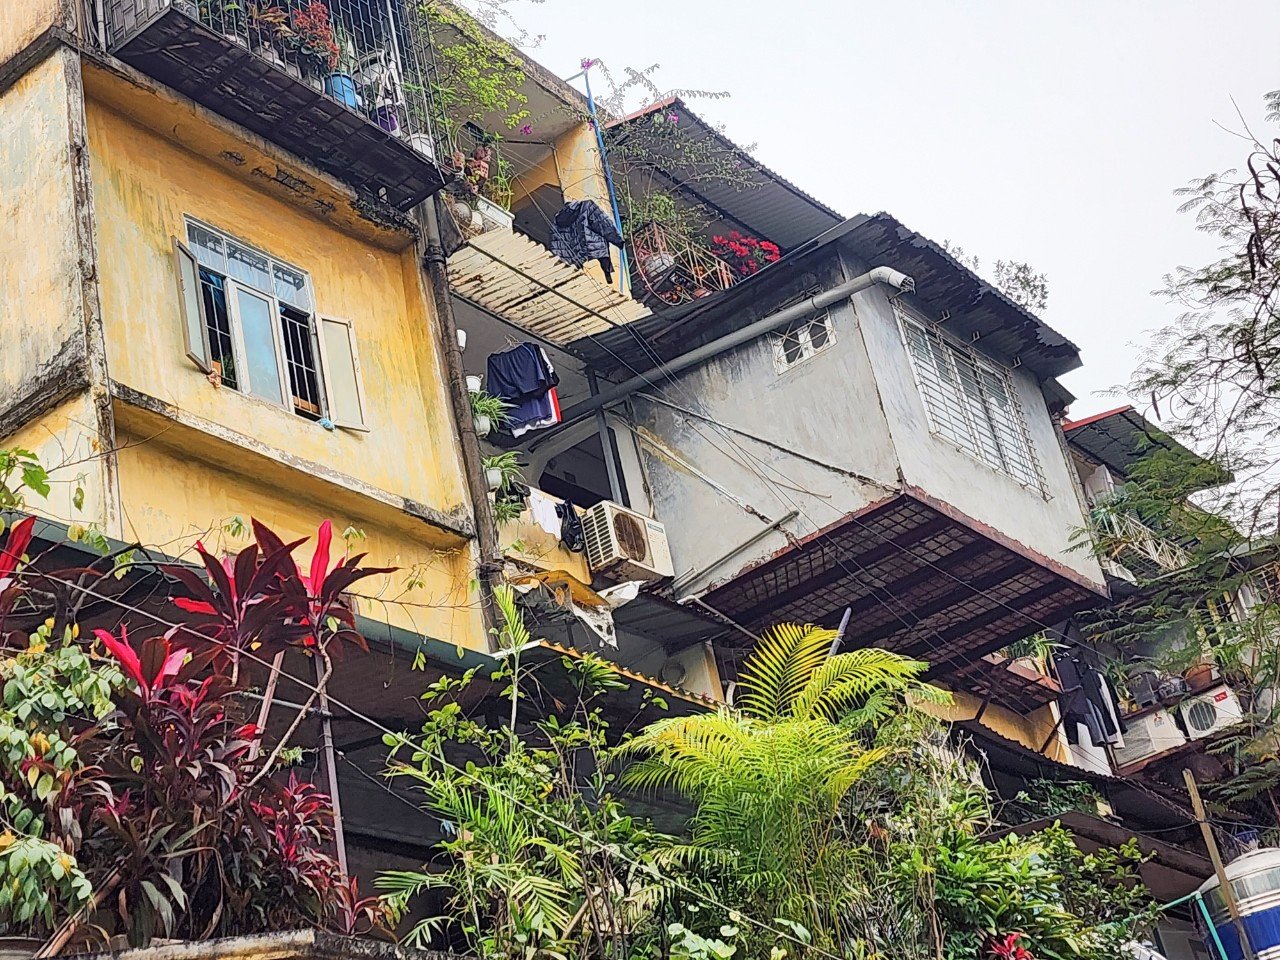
[
  {"x": 490, "y": 567},
  {"x": 692, "y": 575},
  {"x": 751, "y": 331},
  {"x": 1213, "y": 930},
  {"x": 606, "y": 443},
  {"x": 624, "y": 276}
]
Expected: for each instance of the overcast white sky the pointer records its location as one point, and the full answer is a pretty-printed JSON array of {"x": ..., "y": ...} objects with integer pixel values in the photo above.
[{"x": 1048, "y": 132}]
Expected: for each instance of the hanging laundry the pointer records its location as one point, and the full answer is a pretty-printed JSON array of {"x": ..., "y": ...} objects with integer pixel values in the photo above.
[
  {"x": 582, "y": 231},
  {"x": 572, "y": 537},
  {"x": 524, "y": 377},
  {"x": 544, "y": 511}
]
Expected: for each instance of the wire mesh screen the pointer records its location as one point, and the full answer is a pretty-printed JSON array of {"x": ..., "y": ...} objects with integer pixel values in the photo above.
[{"x": 372, "y": 57}]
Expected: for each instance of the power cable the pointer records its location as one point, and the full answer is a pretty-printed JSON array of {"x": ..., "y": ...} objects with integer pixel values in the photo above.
[{"x": 404, "y": 740}]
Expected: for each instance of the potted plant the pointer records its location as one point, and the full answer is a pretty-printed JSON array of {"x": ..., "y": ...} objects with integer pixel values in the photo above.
[
  {"x": 746, "y": 254},
  {"x": 268, "y": 27},
  {"x": 313, "y": 40},
  {"x": 501, "y": 471},
  {"x": 232, "y": 22},
  {"x": 487, "y": 411}
]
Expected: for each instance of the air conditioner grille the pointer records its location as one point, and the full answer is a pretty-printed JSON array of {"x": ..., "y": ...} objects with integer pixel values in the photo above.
[
  {"x": 1201, "y": 716},
  {"x": 631, "y": 537}
]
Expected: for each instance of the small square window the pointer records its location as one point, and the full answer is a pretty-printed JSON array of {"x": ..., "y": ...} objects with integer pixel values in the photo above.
[{"x": 802, "y": 340}]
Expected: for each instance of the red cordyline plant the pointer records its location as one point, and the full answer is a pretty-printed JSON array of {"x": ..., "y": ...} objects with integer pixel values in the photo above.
[
  {"x": 746, "y": 254},
  {"x": 174, "y": 815},
  {"x": 312, "y": 31},
  {"x": 1008, "y": 948}
]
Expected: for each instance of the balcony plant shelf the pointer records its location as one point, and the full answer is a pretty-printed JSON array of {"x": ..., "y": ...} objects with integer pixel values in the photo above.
[{"x": 302, "y": 96}]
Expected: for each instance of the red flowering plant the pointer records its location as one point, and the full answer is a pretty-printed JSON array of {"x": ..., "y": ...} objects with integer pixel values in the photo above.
[
  {"x": 1009, "y": 948},
  {"x": 311, "y": 32},
  {"x": 747, "y": 255},
  {"x": 174, "y": 818}
]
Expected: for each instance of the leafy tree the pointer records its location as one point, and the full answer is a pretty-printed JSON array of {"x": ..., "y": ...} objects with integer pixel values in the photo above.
[
  {"x": 540, "y": 857},
  {"x": 769, "y": 777},
  {"x": 1020, "y": 282},
  {"x": 1213, "y": 375}
]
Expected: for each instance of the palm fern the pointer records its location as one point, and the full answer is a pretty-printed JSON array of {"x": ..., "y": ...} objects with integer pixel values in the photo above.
[{"x": 768, "y": 776}]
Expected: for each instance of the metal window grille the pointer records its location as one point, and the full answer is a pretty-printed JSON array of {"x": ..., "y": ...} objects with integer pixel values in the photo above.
[
  {"x": 802, "y": 340},
  {"x": 222, "y": 258},
  {"x": 970, "y": 401},
  {"x": 218, "y": 321},
  {"x": 373, "y": 57}
]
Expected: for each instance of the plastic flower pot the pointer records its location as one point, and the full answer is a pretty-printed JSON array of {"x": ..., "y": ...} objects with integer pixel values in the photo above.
[
  {"x": 493, "y": 477},
  {"x": 342, "y": 88},
  {"x": 473, "y": 384},
  {"x": 484, "y": 425},
  {"x": 387, "y": 117},
  {"x": 423, "y": 144}
]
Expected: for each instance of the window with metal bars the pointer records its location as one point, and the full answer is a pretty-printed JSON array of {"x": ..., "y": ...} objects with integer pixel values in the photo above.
[
  {"x": 260, "y": 323},
  {"x": 802, "y": 340},
  {"x": 970, "y": 401}
]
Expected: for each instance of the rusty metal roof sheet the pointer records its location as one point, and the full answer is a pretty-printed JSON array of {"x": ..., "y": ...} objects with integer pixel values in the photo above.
[
  {"x": 760, "y": 201},
  {"x": 523, "y": 282},
  {"x": 975, "y": 310}
]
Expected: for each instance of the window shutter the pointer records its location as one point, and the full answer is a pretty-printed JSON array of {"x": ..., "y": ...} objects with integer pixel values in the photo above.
[
  {"x": 195, "y": 327},
  {"x": 341, "y": 373}
]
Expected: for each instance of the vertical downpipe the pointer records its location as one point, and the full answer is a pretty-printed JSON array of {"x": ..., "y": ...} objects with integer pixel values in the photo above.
[{"x": 490, "y": 568}]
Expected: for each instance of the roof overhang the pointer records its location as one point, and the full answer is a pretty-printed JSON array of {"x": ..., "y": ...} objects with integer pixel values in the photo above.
[
  {"x": 1010, "y": 683},
  {"x": 919, "y": 577},
  {"x": 524, "y": 283},
  {"x": 759, "y": 202},
  {"x": 969, "y": 306},
  {"x": 1119, "y": 438}
]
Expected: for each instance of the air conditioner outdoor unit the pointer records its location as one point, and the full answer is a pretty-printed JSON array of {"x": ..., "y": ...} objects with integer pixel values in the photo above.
[
  {"x": 625, "y": 545},
  {"x": 1211, "y": 711},
  {"x": 1148, "y": 735}
]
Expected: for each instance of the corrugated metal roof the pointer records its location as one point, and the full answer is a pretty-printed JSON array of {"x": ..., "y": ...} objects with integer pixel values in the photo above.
[
  {"x": 1120, "y": 438},
  {"x": 521, "y": 281},
  {"x": 760, "y": 202},
  {"x": 944, "y": 288}
]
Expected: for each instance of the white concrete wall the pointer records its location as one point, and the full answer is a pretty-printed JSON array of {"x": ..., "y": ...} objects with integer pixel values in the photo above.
[
  {"x": 826, "y": 408},
  {"x": 1040, "y": 522}
]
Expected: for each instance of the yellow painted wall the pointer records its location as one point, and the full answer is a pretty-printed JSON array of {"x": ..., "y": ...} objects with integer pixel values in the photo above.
[
  {"x": 143, "y": 185},
  {"x": 21, "y": 21},
  {"x": 1031, "y": 730},
  {"x": 65, "y": 440},
  {"x": 176, "y": 490},
  {"x": 574, "y": 166},
  {"x": 41, "y": 312}
]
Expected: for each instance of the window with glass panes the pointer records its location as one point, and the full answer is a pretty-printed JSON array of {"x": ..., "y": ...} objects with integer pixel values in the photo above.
[
  {"x": 970, "y": 400},
  {"x": 802, "y": 340},
  {"x": 260, "y": 320}
]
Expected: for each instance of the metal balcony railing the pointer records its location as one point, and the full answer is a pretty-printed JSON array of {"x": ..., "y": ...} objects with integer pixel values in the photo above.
[
  {"x": 345, "y": 84},
  {"x": 671, "y": 269},
  {"x": 1129, "y": 542}
]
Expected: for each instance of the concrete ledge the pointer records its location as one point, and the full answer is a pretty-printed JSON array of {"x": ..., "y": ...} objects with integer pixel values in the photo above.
[{"x": 456, "y": 523}]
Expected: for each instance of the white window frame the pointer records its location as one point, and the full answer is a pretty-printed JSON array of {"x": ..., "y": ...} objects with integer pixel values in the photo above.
[
  {"x": 231, "y": 287},
  {"x": 989, "y": 441},
  {"x": 799, "y": 331},
  {"x": 244, "y": 378}
]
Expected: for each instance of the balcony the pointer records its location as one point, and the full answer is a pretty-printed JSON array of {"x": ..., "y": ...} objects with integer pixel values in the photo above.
[
  {"x": 343, "y": 85},
  {"x": 1129, "y": 543},
  {"x": 668, "y": 268}
]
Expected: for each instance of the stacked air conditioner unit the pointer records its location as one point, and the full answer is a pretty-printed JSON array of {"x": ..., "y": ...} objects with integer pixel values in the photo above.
[
  {"x": 1148, "y": 735},
  {"x": 625, "y": 545},
  {"x": 1207, "y": 713}
]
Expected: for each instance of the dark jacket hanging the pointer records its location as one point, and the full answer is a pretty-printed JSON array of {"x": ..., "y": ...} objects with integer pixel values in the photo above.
[{"x": 582, "y": 231}]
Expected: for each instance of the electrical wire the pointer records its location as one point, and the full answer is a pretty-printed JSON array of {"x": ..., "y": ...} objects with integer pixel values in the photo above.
[{"x": 585, "y": 838}]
